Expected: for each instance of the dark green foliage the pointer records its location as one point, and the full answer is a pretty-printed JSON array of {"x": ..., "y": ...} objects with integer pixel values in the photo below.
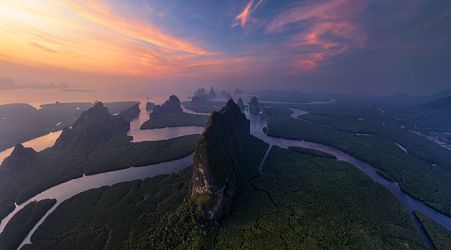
[
  {"x": 22, "y": 223},
  {"x": 175, "y": 120},
  {"x": 440, "y": 237},
  {"x": 311, "y": 152},
  {"x": 413, "y": 170},
  {"x": 56, "y": 166},
  {"x": 140, "y": 154},
  {"x": 301, "y": 202},
  {"x": 153, "y": 214},
  {"x": 124, "y": 216},
  {"x": 305, "y": 202}
]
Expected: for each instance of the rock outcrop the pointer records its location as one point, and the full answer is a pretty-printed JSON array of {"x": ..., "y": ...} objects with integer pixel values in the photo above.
[
  {"x": 198, "y": 100},
  {"x": 150, "y": 106},
  {"x": 20, "y": 158},
  {"x": 240, "y": 104},
  {"x": 255, "y": 108},
  {"x": 171, "y": 106},
  {"x": 94, "y": 127},
  {"x": 201, "y": 96},
  {"x": 212, "y": 93},
  {"x": 130, "y": 113},
  {"x": 217, "y": 160}
]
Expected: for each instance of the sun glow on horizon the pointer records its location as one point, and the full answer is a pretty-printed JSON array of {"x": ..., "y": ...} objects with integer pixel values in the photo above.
[
  {"x": 288, "y": 42},
  {"x": 92, "y": 37}
]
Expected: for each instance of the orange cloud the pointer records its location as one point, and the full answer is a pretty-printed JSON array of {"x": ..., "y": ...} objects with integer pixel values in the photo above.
[
  {"x": 92, "y": 37},
  {"x": 245, "y": 15}
]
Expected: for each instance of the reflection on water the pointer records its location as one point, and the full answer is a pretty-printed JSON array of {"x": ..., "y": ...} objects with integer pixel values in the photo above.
[{"x": 38, "y": 144}]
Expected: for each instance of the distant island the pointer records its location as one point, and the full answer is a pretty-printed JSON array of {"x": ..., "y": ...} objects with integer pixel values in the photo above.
[
  {"x": 170, "y": 114},
  {"x": 255, "y": 108}
]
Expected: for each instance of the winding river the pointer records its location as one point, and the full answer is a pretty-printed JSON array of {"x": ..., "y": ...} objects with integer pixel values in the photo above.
[{"x": 68, "y": 189}]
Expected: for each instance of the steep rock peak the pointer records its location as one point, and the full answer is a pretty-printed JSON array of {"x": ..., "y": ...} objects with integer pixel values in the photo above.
[
  {"x": 256, "y": 108},
  {"x": 94, "y": 127},
  {"x": 240, "y": 104},
  {"x": 20, "y": 158},
  {"x": 130, "y": 113},
  {"x": 150, "y": 106},
  {"x": 217, "y": 160},
  {"x": 171, "y": 106}
]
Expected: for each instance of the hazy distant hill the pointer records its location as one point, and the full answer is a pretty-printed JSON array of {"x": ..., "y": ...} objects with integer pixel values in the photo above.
[{"x": 434, "y": 115}]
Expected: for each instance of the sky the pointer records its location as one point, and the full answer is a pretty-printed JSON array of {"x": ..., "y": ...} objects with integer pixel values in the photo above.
[{"x": 358, "y": 46}]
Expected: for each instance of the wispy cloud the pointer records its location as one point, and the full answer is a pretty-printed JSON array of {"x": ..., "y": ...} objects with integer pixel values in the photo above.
[
  {"x": 246, "y": 14},
  {"x": 321, "y": 30},
  {"x": 93, "y": 37},
  {"x": 37, "y": 45}
]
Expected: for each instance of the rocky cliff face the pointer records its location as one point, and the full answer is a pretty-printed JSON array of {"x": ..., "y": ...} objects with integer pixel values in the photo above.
[
  {"x": 240, "y": 104},
  {"x": 170, "y": 106},
  {"x": 130, "y": 113},
  {"x": 150, "y": 106},
  {"x": 94, "y": 127},
  {"x": 255, "y": 108},
  {"x": 20, "y": 158},
  {"x": 217, "y": 160}
]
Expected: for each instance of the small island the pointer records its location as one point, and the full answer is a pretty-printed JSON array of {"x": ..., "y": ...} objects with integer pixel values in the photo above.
[
  {"x": 256, "y": 108},
  {"x": 240, "y": 104},
  {"x": 150, "y": 106},
  {"x": 170, "y": 114}
]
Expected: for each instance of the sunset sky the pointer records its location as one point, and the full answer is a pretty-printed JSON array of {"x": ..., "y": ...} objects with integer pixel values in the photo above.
[{"x": 336, "y": 45}]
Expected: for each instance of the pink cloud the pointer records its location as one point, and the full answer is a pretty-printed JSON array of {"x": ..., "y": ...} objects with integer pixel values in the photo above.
[
  {"x": 322, "y": 30},
  {"x": 245, "y": 15}
]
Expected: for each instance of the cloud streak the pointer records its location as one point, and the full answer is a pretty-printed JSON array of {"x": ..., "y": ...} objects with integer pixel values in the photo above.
[
  {"x": 246, "y": 14},
  {"x": 93, "y": 37},
  {"x": 322, "y": 30}
]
